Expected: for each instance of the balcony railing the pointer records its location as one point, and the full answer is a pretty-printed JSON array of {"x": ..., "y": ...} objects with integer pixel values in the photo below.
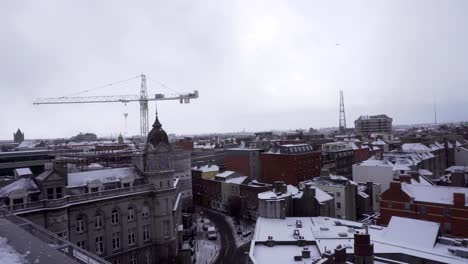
[
  {"x": 78, "y": 198},
  {"x": 63, "y": 246}
]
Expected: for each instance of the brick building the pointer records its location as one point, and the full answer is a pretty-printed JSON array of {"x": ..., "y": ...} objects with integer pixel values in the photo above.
[
  {"x": 442, "y": 204},
  {"x": 290, "y": 163},
  {"x": 245, "y": 161}
]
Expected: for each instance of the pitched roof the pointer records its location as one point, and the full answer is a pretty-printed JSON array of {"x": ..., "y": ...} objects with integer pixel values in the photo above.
[{"x": 433, "y": 194}]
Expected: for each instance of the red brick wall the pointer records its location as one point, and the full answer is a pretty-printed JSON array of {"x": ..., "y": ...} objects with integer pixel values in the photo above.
[
  {"x": 393, "y": 204},
  {"x": 240, "y": 164},
  {"x": 360, "y": 155},
  {"x": 185, "y": 145},
  {"x": 250, "y": 194},
  {"x": 291, "y": 169}
]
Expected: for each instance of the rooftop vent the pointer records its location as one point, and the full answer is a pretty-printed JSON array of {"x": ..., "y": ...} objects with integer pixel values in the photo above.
[
  {"x": 338, "y": 223},
  {"x": 342, "y": 234},
  {"x": 297, "y": 258},
  {"x": 298, "y": 224},
  {"x": 306, "y": 253},
  {"x": 296, "y": 233},
  {"x": 270, "y": 242}
]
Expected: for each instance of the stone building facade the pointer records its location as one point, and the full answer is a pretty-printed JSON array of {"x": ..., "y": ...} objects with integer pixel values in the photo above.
[{"x": 124, "y": 215}]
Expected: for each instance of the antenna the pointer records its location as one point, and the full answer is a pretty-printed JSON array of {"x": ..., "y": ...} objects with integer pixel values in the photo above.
[{"x": 342, "y": 122}]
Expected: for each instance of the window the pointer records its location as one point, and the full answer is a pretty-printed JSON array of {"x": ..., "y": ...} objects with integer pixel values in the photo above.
[
  {"x": 145, "y": 211},
  {"x": 81, "y": 244},
  {"x": 447, "y": 228},
  {"x": 389, "y": 204},
  {"x": 80, "y": 224},
  {"x": 446, "y": 211},
  {"x": 423, "y": 209},
  {"x": 50, "y": 193},
  {"x": 131, "y": 214},
  {"x": 94, "y": 189},
  {"x": 338, "y": 205},
  {"x": 99, "y": 245},
  {"x": 126, "y": 185},
  {"x": 338, "y": 194},
  {"x": 131, "y": 236},
  {"x": 167, "y": 229},
  {"x": 166, "y": 205},
  {"x": 146, "y": 233},
  {"x": 407, "y": 206},
  {"x": 17, "y": 201},
  {"x": 116, "y": 261},
  {"x": 168, "y": 183},
  {"x": 148, "y": 256},
  {"x": 58, "y": 192},
  {"x": 115, "y": 217},
  {"x": 133, "y": 258},
  {"x": 116, "y": 240},
  {"x": 98, "y": 221}
]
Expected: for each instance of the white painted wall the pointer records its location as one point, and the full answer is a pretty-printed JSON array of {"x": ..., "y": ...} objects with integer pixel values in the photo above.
[
  {"x": 377, "y": 174},
  {"x": 461, "y": 156}
]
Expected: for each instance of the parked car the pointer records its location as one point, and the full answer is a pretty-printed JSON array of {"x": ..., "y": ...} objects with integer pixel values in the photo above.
[{"x": 212, "y": 234}]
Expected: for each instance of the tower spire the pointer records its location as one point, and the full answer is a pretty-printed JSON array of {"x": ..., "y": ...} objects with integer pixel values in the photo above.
[{"x": 342, "y": 121}]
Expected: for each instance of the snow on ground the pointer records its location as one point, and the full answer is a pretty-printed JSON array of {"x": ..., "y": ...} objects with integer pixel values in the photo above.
[
  {"x": 244, "y": 227},
  {"x": 205, "y": 250},
  {"x": 9, "y": 255}
]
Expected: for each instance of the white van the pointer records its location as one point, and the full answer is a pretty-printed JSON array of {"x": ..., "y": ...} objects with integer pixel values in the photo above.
[{"x": 212, "y": 234}]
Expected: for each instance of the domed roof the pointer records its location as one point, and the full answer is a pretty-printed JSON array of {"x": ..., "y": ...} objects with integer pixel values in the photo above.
[{"x": 157, "y": 135}]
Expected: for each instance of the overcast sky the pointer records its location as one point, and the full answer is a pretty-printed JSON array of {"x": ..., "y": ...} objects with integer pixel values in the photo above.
[{"x": 258, "y": 65}]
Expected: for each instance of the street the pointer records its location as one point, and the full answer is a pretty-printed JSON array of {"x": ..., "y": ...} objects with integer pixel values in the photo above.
[{"x": 228, "y": 253}]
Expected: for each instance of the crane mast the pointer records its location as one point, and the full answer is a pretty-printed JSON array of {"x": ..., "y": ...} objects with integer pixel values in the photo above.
[
  {"x": 143, "y": 99},
  {"x": 144, "y": 127}
]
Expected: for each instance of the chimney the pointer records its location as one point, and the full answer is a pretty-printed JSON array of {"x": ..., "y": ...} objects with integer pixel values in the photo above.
[
  {"x": 394, "y": 185},
  {"x": 457, "y": 178},
  {"x": 340, "y": 255},
  {"x": 61, "y": 168},
  {"x": 363, "y": 249},
  {"x": 459, "y": 199},
  {"x": 415, "y": 175},
  {"x": 405, "y": 178}
]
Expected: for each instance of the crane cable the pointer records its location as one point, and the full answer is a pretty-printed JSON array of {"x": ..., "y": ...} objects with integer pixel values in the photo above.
[
  {"x": 103, "y": 86},
  {"x": 163, "y": 85}
]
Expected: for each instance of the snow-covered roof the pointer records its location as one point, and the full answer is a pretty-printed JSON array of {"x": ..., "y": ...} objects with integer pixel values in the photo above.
[
  {"x": 417, "y": 147},
  {"x": 236, "y": 180},
  {"x": 23, "y": 171},
  {"x": 28, "y": 144},
  {"x": 325, "y": 233},
  {"x": 207, "y": 168},
  {"x": 433, "y": 194},
  {"x": 322, "y": 196},
  {"x": 425, "y": 172},
  {"x": 375, "y": 162},
  {"x": 24, "y": 184},
  {"x": 407, "y": 231},
  {"x": 95, "y": 166},
  {"x": 105, "y": 176},
  {"x": 9, "y": 255},
  {"x": 457, "y": 168},
  {"x": 379, "y": 142},
  {"x": 225, "y": 174}
]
